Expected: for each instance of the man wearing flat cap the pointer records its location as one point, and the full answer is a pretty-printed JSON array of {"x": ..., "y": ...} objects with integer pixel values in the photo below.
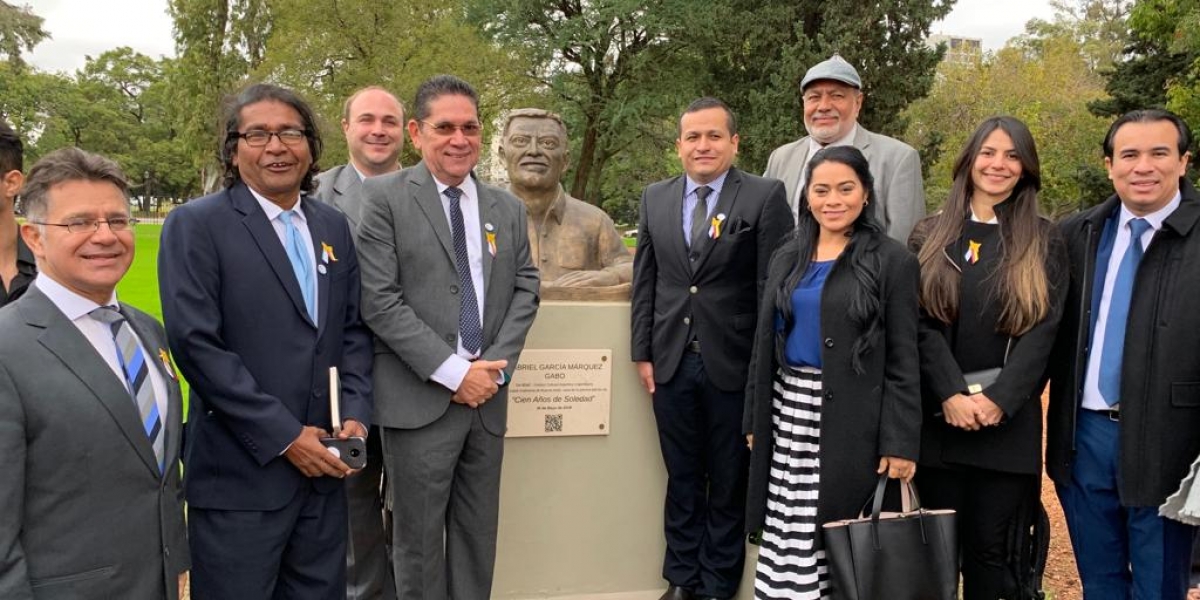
[{"x": 832, "y": 94}]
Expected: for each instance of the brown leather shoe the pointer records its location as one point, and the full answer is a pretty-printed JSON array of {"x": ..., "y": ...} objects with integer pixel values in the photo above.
[{"x": 675, "y": 592}]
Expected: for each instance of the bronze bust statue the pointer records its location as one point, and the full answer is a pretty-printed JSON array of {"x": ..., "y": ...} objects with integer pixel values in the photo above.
[{"x": 574, "y": 244}]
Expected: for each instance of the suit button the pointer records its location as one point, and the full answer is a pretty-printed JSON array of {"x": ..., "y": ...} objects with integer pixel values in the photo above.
[
  {"x": 450, "y": 337},
  {"x": 454, "y": 289},
  {"x": 829, "y": 395},
  {"x": 687, "y": 320},
  {"x": 693, "y": 289},
  {"x": 828, "y": 342}
]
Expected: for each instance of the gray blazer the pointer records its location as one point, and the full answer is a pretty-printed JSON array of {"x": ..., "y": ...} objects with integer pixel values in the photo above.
[
  {"x": 341, "y": 188},
  {"x": 896, "y": 167},
  {"x": 84, "y": 513},
  {"x": 410, "y": 293}
]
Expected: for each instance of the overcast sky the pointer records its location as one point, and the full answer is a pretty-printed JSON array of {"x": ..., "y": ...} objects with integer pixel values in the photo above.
[{"x": 80, "y": 28}]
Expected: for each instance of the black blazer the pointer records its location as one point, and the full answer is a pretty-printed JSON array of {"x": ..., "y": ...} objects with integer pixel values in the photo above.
[
  {"x": 1160, "y": 373},
  {"x": 1014, "y": 446},
  {"x": 718, "y": 293},
  {"x": 863, "y": 417}
]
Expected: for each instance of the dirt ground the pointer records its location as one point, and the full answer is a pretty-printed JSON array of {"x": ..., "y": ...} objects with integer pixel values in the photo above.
[{"x": 1062, "y": 580}]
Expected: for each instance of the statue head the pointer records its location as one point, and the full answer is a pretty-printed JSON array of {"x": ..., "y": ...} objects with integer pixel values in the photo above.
[{"x": 534, "y": 148}]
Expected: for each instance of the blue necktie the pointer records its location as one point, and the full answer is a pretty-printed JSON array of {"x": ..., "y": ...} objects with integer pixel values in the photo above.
[
  {"x": 301, "y": 263},
  {"x": 137, "y": 375},
  {"x": 468, "y": 312},
  {"x": 1118, "y": 315}
]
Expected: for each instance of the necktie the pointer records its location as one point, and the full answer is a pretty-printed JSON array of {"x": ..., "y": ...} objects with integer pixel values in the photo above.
[
  {"x": 301, "y": 263},
  {"x": 137, "y": 375},
  {"x": 1118, "y": 314},
  {"x": 700, "y": 216},
  {"x": 468, "y": 313}
]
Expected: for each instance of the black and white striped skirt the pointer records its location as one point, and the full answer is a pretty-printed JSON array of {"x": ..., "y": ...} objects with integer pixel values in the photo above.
[{"x": 789, "y": 566}]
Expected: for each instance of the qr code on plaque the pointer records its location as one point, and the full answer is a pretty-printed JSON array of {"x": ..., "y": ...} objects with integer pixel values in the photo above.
[{"x": 554, "y": 423}]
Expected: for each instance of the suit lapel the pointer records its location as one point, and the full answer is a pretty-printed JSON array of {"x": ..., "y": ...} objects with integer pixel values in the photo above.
[
  {"x": 729, "y": 192},
  {"x": 319, "y": 231},
  {"x": 62, "y": 339},
  {"x": 800, "y": 164},
  {"x": 676, "y": 242},
  {"x": 426, "y": 196},
  {"x": 487, "y": 218},
  {"x": 346, "y": 194},
  {"x": 264, "y": 236},
  {"x": 158, "y": 358}
]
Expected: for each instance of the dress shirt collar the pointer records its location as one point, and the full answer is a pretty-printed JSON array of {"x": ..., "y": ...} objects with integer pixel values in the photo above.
[
  {"x": 71, "y": 304},
  {"x": 715, "y": 185},
  {"x": 467, "y": 186},
  {"x": 1155, "y": 219},
  {"x": 558, "y": 208},
  {"x": 274, "y": 210}
]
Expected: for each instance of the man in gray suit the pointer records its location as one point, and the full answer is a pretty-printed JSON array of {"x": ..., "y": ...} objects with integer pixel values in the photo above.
[
  {"x": 91, "y": 507},
  {"x": 373, "y": 122},
  {"x": 450, "y": 293},
  {"x": 832, "y": 94}
]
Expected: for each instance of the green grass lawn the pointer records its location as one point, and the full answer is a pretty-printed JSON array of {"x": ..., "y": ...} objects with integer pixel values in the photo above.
[{"x": 139, "y": 287}]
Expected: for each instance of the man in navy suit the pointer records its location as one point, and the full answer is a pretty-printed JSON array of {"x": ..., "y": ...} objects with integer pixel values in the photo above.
[{"x": 260, "y": 295}]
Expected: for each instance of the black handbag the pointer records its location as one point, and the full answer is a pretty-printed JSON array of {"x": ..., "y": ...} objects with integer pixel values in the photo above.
[{"x": 910, "y": 555}]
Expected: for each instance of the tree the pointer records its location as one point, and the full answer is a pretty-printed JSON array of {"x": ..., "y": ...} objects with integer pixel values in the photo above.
[
  {"x": 218, "y": 44},
  {"x": 20, "y": 31},
  {"x": 763, "y": 47},
  {"x": 1048, "y": 89},
  {"x": 365, "y": 42},
  {"x": 619, "y": 71},
  {"x": 1098, "y": 26}
]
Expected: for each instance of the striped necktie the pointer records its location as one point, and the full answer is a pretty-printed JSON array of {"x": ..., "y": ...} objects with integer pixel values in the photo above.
[
  {"x": 137, "y": 375},
  {"x": 468, "y": 314}
]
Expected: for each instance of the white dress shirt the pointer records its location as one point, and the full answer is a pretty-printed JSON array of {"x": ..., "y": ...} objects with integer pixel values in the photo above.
[
  {"x": 301, "y": 222},
  {"x": 690, "y": 198},
  {"x": 1092, "y": 399},
  {"x": 453, "y": 370},
  {"x": 77, "y": 308}
]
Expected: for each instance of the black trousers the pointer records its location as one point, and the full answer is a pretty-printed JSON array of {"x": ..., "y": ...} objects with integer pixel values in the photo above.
[
  {"x": 987, "y": 502},
  {"x": 699, "y": 431}
]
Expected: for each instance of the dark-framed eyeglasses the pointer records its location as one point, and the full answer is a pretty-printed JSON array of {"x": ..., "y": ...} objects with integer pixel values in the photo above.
[
  {"x": 257, "y": 138},
  {"x": 115, "y": 224},
  {"x": 448, "y": 129}
]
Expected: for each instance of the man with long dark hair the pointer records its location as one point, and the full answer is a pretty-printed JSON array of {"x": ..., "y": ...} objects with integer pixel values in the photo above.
[{"x": 260, "y": 295}]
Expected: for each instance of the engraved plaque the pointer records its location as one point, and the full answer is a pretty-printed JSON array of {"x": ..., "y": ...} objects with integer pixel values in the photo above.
[{"x": 560, "y": 392}]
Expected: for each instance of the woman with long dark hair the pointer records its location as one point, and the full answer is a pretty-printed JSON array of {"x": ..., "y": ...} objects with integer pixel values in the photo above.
[
  {"x": 991, "y": 298},
  {"x": 833, "y": 397}
]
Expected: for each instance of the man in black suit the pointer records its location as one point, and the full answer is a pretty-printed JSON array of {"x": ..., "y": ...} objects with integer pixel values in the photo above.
[
  {"x": 1124, "y": 398},
  {"x": 704, "y": 240}
]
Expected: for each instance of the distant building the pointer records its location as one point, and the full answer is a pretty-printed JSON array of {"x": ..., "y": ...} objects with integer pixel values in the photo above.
[{"x": 959, "y": 50}]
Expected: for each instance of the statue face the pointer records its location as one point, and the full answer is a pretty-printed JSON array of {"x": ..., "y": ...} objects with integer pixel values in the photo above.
[{"x": 535, "y": 152}]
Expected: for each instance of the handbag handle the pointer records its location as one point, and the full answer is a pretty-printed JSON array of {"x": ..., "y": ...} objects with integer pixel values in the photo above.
[{"x": 906, "y": 488}]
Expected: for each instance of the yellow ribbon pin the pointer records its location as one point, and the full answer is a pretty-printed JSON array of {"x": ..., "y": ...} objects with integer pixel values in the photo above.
[
  {"x": 491, "y": 240},
  {"x": 166, "y": 361},
  {"x": 327, "y": 250}
]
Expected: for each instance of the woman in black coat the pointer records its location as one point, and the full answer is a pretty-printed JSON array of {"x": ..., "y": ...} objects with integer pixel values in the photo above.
[
  {"x": 833, "y": 396},
  {"x": 990, "y": 300}
]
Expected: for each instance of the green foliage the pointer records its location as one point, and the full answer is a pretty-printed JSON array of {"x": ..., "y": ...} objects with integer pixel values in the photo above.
[
  {"x": 1098, "y": 26},
  {"x": 618, "y": 71},
  {"x": 763, "y": 47},
  {"x": 1047, "y": 89},
  {"x": 365, "y": 42},
  {"x": 20, "y": 30}
]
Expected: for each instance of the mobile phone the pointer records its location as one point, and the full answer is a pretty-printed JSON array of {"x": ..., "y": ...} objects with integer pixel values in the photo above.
[{"x": 352, "y": 450}]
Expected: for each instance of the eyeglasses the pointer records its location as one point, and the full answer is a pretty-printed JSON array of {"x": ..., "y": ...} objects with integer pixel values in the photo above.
[
  {"x": 448, "y": 129},
  {"x": 257, "y": 138},
  {"x": 115, "y": 224}
]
